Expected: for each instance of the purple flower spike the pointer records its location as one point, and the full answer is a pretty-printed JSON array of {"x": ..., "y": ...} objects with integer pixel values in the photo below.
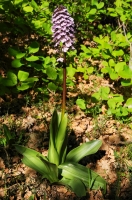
[{"x": 63, "y": 29}]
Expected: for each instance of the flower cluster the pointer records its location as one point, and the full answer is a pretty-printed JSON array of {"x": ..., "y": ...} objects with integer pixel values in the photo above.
[{"x": 63, "y": 29}]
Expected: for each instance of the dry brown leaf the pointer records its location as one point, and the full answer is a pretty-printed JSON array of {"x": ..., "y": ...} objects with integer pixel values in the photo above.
[
  {"x": 27, "y": 195},
  {"x": 2, "y": 191},
  {"x": 28, "y": 122},
  {"x": 62, "y": 189},
  {"x": 2, "y": 165}
]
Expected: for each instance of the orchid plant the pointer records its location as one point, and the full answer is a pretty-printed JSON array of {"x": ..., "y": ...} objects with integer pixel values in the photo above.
[{"x": 58, "y": 166}]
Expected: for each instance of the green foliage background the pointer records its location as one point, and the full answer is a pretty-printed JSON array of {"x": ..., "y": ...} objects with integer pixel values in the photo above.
[{"x": 107, "y": 25}]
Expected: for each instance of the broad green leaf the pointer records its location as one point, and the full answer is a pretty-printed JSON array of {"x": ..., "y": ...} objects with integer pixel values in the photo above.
[
  {"x": 32, "y": 79},
  {"x": 45, "y": 168},
  {"x": 118, "y": 53},
  {"x": 47, "y": 27},
  {"x": 92, "y": 11},
  {"x": 91, "y": 179},
  {"x": 104, "y": 70},
  {"x": 16, "y": 63},
  {"x": 100, "y": 26},
  {"x": 32, "y": 58},
  {"x": 95, "y": 51},
  {"x": 51, "y": 169},
  {"x": 97, "y": 39},
  {"x": 90, "y": 70},
  {"x": 76, "y": 185},
  {"x": 38, "y": 162},
  {"x": 38, "y": 67},
  {"x": 27, "y": 151},
  {"x": 85, "y": 76},
  {"x": 126, "y": 82},
  {"x": 61, "y": 134},
  {"x": 85, "y": 149},
  {"x": 81, "y": 103},
  {"x": 11, "y": 79},
  {"x": 22, "y": 75},
  {"x": 128, "y": 104},
  {"x": 85, "y": 49},
  {"x": 105, "y": 63},
  {"x": 23, "y": 86},
  {"x": 51, "y": 73},
  {"x": 80, "y": 69},
  {"x": 105, "y": 55},
  {"x": 28, "y": 8},
  {"x": 37, "y": 24},
  {"x": 119, "y": 66},
  {"x": 105, "y": 90},
  {"x": 111, "y": 63},
  {"x": 45, "y": 4},
  {"x": 113, "y": 76},
  {"x": 52, "y": 86},
  {"x": 52, "y": 153},
  {"x": 20, "y": 55},
  {"x": 96, "y": 97},
  {"x": 55, "y": 122},
  {"x": 124, "y": 111},
  {"x": 111, "y": 103},
  {"x": 104, "y": 93},
  {"x": 126, "y": 73},
  {"x": 93, "y": 2},
  {"x": 115, "y": 101},
  {"x": 123, "y": 18},
  {"x": 58, "y": 138},
  {"x": 54, "y": 125},
  {"x": 34, "y": 5},
  {"x": 25, "y": 3},
  {"x": 70, "y": 71},
  {"x": 34, "y": 47},
  {"x": 32, "y": 197},
  {"x": 60, "y": 74},
  {"x": 113, "y": 36},
  {"x": 71, "y": 170},
  {"x": 100, "y": 5},
  {"x": 47, "y": 60},
  {"x": 13, "y": 52},
  {"x": 17, "y": 2},
  {"x": 35, "y": 163},
  {"x": 69, "y": 82},
  {"x": 7, "y": 133}
]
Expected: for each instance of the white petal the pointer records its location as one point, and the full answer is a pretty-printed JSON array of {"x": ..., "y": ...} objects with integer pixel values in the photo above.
[
  {"x": 60, "y": 59},
  {"x": 65, "y": 49}
]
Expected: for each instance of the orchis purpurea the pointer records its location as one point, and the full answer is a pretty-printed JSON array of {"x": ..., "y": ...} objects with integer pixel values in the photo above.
[{"x": 58, "y": 166}]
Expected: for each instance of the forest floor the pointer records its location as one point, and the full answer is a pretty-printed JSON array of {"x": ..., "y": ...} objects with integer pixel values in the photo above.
[{"x": 28, "y": 118}]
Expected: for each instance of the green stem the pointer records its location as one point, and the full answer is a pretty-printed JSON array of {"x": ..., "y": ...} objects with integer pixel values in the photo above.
[{"x": 64, "y": 87}]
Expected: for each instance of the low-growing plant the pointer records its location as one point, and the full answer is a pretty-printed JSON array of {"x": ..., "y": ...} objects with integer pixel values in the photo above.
[
  {"x": 116, "y": 105},
  {"x": 59, "y": 166},
  {"x": 26, "y": 62},
  {"x": 6, "y": 136}
]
